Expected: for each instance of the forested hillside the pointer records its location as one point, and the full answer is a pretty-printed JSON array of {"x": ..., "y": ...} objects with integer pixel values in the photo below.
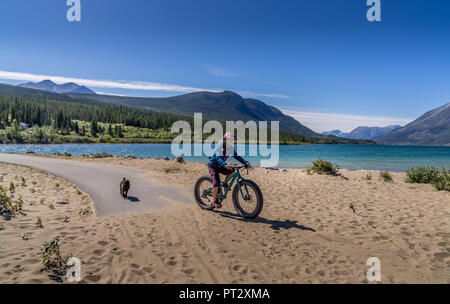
[{"x": 33, "y": 116}]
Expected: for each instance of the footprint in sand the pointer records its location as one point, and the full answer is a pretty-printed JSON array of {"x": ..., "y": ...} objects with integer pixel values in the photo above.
[
  {"x": 189, "y": 271},
  {"x": 172, "y": 262},
  {"x": 98, "y": 251},
  {"x": 93, "y": 278},
  {"x": 102, "y": 243},
  {"x": 135, "y": 266},
  {"x": 148, "y": 269}
]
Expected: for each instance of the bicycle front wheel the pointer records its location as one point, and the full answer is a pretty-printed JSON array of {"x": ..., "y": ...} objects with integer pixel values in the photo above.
[
  {"x": 203, "y": 192},
  {"x": 248, "y": 199}
]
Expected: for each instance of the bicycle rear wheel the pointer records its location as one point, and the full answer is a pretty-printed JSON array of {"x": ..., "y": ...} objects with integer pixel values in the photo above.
[
  {"x": 203, "y": 193},
  {"x": 249, "y": 202}
]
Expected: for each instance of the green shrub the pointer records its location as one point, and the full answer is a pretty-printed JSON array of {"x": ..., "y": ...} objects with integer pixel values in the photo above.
[
  {"x": 421, "y": 175},
  {"x": 442, "y": 182},
  {"x": 429, "y": 175},
  {"x": 51, "y": 256},
  {"x": 386, "y": 176},
  {"x": 321, "y": 166},
  {"x": 8, "y": 206}
]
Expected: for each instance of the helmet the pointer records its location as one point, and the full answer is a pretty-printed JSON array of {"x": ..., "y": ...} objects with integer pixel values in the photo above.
[{"x": 228, "y": 136}]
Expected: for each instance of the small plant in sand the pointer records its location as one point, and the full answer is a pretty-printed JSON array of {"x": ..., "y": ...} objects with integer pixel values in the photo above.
[
  {"x": 51, "y": 255},
  {"x": 368, "y": 177},
  {"x": 78, "y": 192},
  {"x": 33, "y": 182},
  {"x": 9, "y": 206},
  {"x": 51, "y": 206},
  {"x": 39, "y": 223},
  {"x": 171, "y": 170},
  {"x": 66, "y": 219},
  {"x": 42, "y": 201},
  {"x": 343, "y": 177},
  {"x": 352, "y": 207},
  {"x": 23, "y": 181},
  {"x": 57, "y": 185},
  {"x": 85, "y": 211},
  {"x": 12, "y": 188},
  {"x": 24, "y": 236},
  {"x": 2, "y": 227},
  {"x": 386, "y": 176},
  {"x": 372, "y": 224},
  {"x": 321, "y": 166}
]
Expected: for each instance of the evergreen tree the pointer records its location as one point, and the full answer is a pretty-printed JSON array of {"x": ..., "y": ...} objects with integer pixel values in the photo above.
[
  {"x": 110, "y": 131},
  {"x": 94, "y": 128}
]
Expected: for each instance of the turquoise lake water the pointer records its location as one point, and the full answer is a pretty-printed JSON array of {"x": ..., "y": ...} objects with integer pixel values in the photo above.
[{"x": 353, "y": 157}]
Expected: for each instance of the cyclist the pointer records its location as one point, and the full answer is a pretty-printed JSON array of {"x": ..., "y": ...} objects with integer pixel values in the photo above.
[{"x": 217, "y": 164}]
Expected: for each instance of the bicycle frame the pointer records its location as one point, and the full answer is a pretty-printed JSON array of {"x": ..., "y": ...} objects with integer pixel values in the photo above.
[{"x": 236, "y": 177}]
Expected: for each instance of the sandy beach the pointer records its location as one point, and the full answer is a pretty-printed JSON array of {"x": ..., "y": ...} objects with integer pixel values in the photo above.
[{"x": 306, "y": 233}]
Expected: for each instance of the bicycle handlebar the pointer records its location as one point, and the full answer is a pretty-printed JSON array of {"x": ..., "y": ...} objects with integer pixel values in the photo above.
[{"x": 238, "y": 166}]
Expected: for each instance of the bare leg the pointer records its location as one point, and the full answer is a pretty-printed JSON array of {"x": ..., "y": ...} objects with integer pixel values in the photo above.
[
  {"x": 215, "y": 193},
  {"x": 228, "y": 177}
]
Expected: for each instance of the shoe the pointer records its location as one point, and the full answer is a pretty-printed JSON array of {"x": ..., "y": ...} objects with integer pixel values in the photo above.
[{"x": 217, "y": 205}]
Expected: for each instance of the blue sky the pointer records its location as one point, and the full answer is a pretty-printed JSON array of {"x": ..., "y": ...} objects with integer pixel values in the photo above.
[{"x": 320, "y": 61}]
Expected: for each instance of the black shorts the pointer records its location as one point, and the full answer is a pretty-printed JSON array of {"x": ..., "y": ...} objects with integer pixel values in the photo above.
[{"x": 214, "y": 172}]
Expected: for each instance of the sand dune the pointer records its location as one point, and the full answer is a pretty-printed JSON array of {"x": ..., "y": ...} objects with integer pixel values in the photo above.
[{"x": 306, "y": 233}]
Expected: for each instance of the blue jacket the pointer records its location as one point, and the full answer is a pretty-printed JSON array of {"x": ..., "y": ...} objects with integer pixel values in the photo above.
[{"x": 218, "y": 159}]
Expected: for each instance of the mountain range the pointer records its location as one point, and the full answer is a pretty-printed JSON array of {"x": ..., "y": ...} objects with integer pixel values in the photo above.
[
  {"x": 50, "y": 86},
  {"x": 364, "y": 132},
  {"x": 221, "y": 106},
  {"x": 432, "y": 128}
]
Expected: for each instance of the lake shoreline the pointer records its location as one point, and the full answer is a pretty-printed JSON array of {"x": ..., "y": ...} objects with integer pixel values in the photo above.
[{"x": 348, "y": 157}]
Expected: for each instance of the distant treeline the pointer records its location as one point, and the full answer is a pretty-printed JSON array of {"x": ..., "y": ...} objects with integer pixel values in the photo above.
[
  {"x": 61, "y": 114},
  {"x": 60, "y": 118}
]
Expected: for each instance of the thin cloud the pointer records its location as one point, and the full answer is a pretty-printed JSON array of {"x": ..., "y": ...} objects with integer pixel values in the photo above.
[
  {"x": 251, "y": 94},
  {"x": 133, "y": 85},
  {"x": 320, "y": 122},
  {"x": 129, "y": 85},
  {"x": 111, "y": 94},
  {"x": 218, "y": 71}
]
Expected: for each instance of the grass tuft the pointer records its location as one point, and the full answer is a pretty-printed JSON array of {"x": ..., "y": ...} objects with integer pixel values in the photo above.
[
  {"x": 386, "y": 176},
  {"x": 321, "y": 166}
]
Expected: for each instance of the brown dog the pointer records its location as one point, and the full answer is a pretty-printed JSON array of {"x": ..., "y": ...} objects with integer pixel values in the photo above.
[{"x": 124, "y": 187}]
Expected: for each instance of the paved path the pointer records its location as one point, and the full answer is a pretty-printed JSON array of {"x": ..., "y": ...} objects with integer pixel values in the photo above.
[{"x": 101, "y": 182}]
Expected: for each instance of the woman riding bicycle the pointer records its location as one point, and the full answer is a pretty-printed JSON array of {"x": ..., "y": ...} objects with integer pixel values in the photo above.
[{"x": 217, "y": 164}]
